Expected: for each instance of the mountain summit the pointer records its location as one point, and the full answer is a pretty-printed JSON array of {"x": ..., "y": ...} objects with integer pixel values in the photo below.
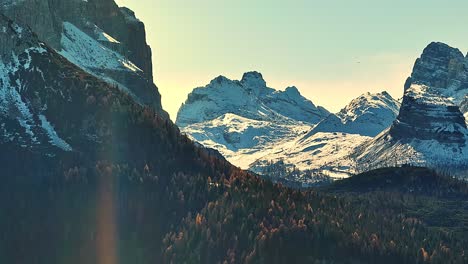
[
  {"x": 249, "y": 98},
  {"x": 367, "y": 115},
  {"x": 430, "y": 129}
]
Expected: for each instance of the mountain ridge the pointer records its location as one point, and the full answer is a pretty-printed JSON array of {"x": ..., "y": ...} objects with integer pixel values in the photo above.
[{"x": 367, "y": 115}]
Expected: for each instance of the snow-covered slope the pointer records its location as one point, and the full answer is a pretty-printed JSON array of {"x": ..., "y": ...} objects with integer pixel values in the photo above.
[
  {"x": 249, "y": 98},
  {"x": 430, "y": 129},
  {"x": 367, "y": 115},
  {"x": 92, "y": 56},
  {"x": 83, "y": 50},
  {"x": 256, "y": 145},
  {"x": 241, "y": 140},
  {"x": 323, "y": 152}
]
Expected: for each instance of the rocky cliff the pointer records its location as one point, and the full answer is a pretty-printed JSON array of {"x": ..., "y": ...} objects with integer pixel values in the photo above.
[
  {"x": 97, "y": 35},
  {"x": 433, "y": 94}
]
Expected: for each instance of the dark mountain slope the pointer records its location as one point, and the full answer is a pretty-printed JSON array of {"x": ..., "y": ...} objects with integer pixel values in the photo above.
[
  {"x": 257, "y": 222},
  {"x": 407, "y": 180}
]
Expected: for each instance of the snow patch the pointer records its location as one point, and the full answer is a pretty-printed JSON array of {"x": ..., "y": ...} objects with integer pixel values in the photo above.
[
  {"x": 11, "y": 103},
  {"x": 88, "y": 53},
  {"x": 54, "y": 139}
]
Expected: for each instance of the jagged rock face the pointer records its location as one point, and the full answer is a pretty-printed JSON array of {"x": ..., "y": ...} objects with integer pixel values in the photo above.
[
  {"x": 427, "y": 116},
  {"x": 38, "y": 15},
  {"x": 45, "y": 17},
  {"x": 249, "y": 98},
  {"x": 113, "y": 29},
  {"x": 430, "y": 108},
  {"x": 430, "y": 129},
  {"x": 14, "y": 39},
  {"x": 443, "y": 68},
  {"x": 367, "y": 115}
]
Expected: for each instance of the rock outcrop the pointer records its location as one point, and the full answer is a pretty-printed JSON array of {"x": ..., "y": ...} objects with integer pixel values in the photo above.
[
  {"x": 442, "y": 68},
  {"x": 425, "y": 115}
]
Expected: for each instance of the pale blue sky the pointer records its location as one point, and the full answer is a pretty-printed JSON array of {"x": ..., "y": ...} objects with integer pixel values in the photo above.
[{"x": 332, "y": 50}]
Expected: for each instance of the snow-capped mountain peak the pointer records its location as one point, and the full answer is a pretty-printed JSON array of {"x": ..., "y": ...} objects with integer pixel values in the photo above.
[
  {"x": 367, "y": 115},
  {"x": 250, "y": 98},
  {"x": 254, "y": 82},
  {"x": 444, "y": 69}
]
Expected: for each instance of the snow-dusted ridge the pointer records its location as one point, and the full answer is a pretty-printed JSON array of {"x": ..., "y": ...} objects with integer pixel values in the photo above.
[
  {"x": 22, "y": 123},
  {"x": 367, "y": 115}
]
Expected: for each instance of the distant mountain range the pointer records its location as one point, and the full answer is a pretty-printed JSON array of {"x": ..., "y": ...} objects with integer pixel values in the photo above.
[{"x": 255, "y": 126}]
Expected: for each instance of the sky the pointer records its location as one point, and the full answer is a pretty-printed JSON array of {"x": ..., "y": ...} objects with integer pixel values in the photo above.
[{"x": 333, "y": 51}]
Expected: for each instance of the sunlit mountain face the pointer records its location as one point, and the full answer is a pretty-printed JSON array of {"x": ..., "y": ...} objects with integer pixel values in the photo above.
[{"x": 94, "y": 171}]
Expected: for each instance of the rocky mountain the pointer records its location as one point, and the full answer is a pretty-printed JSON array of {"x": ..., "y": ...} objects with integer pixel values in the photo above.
[
  {"x": 50, "y": 106},
  {"x": 250, "y": 98},
  {"x": 430, "y": 129},
  {"x": 98, "y": 36},
  {"x": 367, "y": 115}
]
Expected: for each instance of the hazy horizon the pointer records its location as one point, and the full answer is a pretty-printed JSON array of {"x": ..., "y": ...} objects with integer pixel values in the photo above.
[{"x": 333, "y": 52}]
